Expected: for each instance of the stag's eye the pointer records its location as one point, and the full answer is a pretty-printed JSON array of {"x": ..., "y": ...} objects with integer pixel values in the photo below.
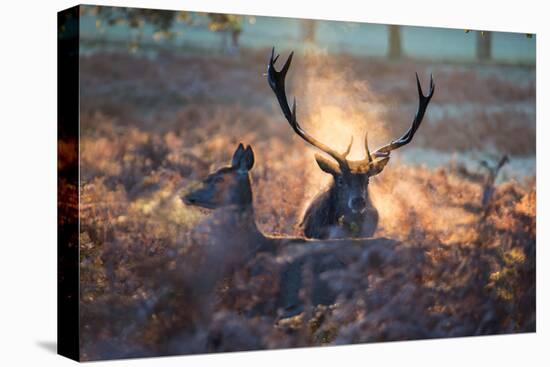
[
  {"x": 218, "y": 179},
  {"x": 339, "y": 181}
]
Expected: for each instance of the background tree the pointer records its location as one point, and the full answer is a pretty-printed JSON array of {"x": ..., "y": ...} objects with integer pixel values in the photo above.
[
  {"x": 394, "y": 41},
  {"x": 162, "y": 21},
  {"x": 483, "y": 46}
]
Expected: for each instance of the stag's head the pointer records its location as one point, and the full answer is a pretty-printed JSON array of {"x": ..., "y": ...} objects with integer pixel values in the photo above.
[
  {"x": 228, "y": 186},
  {"x": 351, "y": 178}
]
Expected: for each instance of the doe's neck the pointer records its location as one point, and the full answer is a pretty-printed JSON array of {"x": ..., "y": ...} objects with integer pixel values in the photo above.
[{"x": 238, "y": 219}]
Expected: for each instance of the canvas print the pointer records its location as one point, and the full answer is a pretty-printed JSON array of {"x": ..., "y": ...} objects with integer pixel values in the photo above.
[{"x": 236, "y": 182}]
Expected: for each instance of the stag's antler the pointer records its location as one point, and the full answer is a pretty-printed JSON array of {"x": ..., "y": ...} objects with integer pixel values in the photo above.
[
  {"x": 407, "y": 137},
  {"x": 276, "y": 80}
]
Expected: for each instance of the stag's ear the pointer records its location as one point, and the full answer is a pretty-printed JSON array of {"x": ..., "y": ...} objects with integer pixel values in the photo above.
[
  {"x": 237, "y": 155},
  {"x": 378, "y": 165},
  {"x": 327, "y": 165}
]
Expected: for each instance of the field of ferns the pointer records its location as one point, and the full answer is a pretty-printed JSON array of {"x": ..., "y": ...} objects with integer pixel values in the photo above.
[{"x": 153, "y": 127}]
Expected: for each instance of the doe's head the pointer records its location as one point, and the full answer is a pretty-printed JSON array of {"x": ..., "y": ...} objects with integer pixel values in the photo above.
[{"x": 229, "y": 185}]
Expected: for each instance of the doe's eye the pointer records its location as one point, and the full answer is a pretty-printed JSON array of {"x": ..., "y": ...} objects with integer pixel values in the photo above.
[
  {"x": 339, "y": 181},
  {"x": 218, "y": 179}
]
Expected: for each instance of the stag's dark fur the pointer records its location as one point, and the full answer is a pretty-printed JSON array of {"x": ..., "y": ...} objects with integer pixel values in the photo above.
[{"x": 322, "y": 218}]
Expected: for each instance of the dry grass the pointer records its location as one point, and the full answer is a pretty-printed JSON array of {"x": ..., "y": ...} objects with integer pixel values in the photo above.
[{"x": 153, "y": 129}]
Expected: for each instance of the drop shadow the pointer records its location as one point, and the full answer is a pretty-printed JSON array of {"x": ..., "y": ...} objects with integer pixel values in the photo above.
[{"x": 50, "y": 346}]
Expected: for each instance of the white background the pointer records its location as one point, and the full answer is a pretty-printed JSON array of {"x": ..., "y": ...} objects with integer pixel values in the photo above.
[{"x": 28, "y": 182}]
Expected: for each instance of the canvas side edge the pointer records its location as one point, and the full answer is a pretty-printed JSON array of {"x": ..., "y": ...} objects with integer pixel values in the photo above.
[{"x": 68, "y": 183}]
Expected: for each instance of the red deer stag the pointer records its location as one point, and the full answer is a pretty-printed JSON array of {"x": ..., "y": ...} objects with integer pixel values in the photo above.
[{"x": 344, "y": 209}]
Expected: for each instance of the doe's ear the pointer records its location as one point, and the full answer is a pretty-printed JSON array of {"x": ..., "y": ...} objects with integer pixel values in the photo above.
[
  {"x": 245, "y": 160},
  {"x": 237, "y": 155},
  {"x": 327, "y": 165},
  {"x": 248, "y": 158}
]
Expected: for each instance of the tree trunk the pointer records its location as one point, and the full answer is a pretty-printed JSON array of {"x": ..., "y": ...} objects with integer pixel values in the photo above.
[
  {"x": 483, "y": 46},
  {"x": 394, "y": 50}
]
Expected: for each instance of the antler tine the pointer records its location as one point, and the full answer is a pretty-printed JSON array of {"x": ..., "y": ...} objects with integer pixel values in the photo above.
[
  {"x": 273, "y": 59},
  {"x": 367, "y": 151},
  {"x": 423, "y": 102},
  {"x": 276, "y": 80},
  {"x": 348, "y": 149}
]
